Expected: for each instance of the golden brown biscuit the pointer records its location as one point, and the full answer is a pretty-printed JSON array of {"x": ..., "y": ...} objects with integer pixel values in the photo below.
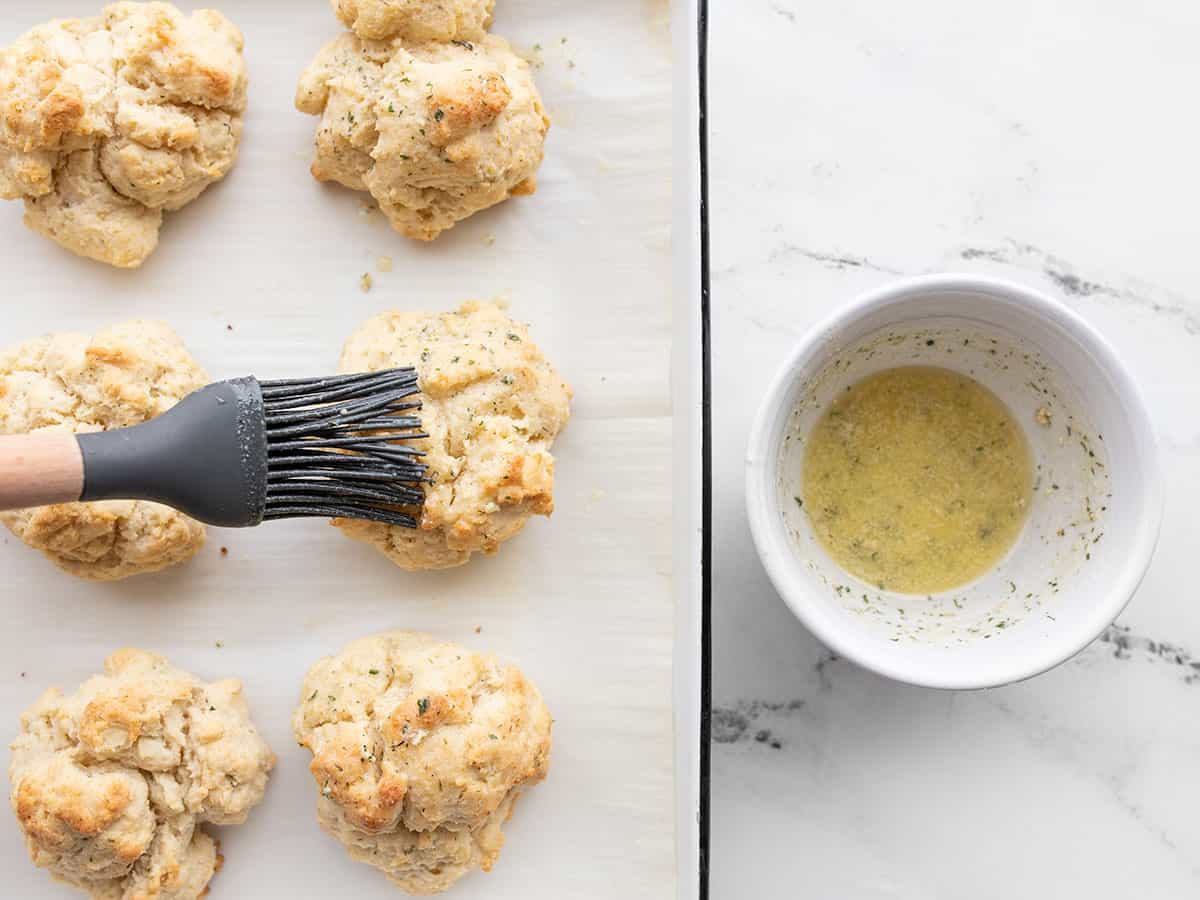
[
  {"x": 110, "y": 783},
  {"x": 420, "y": 750},
  {"x": 70, "y": 382},
  {"x": 105, "y": 122},
  {"x": 416, "y": 21},
  {"x": 492, "y": 406},
  {"x": 435, "y": 132}
]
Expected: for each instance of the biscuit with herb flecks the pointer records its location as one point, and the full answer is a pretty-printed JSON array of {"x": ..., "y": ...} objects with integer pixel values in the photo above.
[
  {"x": 420, "y": 751},
  {"x": 121, "y": 376},
  {"x": 110, "y": 784},
  {"x": 492, "y": 406}
]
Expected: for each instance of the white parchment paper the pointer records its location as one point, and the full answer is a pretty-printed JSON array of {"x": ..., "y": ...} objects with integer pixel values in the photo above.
[{"x": 582, "y": 602}]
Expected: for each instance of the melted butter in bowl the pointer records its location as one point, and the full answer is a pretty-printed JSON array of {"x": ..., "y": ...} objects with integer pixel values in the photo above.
[
  {"x": 968, "y": 545},
  {"x": 913, "y": 551},
  {"x": 917, "y": 480}
]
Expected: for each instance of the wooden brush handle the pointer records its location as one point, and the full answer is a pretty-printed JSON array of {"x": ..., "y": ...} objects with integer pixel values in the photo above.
[{"x": 40, "y": 469}]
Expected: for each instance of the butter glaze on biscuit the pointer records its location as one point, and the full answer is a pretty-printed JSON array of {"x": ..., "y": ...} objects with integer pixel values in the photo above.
[{"x": 492, "y": 406}]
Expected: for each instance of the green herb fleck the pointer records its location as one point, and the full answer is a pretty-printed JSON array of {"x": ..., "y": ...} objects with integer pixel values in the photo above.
[
  {"x": 423, "y": 705},
  {"x": 373, "y": 671},
  {"x": 438, "y": 116}
]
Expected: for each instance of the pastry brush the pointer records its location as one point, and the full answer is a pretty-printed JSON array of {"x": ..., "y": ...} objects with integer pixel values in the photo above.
[{"x": 241, "y": 452}]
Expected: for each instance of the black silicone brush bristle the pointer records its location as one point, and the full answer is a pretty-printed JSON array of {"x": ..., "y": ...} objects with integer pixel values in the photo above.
[
  {"x": 239, "y": 452},
  {"x": 332, "y": 448}
]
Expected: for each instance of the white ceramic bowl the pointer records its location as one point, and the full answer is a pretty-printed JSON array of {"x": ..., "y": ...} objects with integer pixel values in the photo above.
[{"x": 1097, "y": 503}]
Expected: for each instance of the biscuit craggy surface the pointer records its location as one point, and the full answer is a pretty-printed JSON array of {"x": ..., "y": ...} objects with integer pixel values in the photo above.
[
  {"x": 110, "y": 783},
  {"x": 420, "y": 750},
  {"x": 70, "y": 382},
  {"x": 435, "y": 132},
  {"x": 105, "y": 122},
  {"x": 492, "y": 406},
  {"x": 416, "y": 20}
]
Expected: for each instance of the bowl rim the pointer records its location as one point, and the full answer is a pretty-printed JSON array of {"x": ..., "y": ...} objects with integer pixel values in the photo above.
[{"x": 770, "y": 537}]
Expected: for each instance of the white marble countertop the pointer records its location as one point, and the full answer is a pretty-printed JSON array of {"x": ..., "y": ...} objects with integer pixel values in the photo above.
[{"x": 1054, "y": 144}]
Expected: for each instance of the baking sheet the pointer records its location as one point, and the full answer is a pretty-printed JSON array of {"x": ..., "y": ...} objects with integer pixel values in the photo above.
[
  {"x": 692, "y": 456},
  {"x": 261, "y": 275}
]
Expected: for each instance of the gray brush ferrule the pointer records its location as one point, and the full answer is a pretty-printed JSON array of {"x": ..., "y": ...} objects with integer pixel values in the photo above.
[{"x": 206, "y": 456}]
